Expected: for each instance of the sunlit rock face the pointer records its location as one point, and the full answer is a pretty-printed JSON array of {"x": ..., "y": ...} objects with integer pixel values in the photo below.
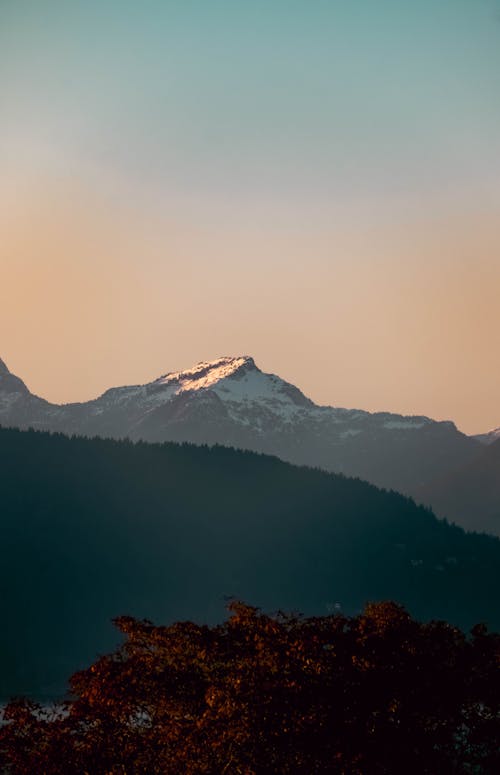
[{"x": 231, "y": 401}]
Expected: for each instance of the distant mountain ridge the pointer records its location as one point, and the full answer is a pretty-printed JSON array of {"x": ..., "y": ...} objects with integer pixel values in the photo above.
[
  {"x": 472, "y": 490},
  {"x": 230, "y": 401},
  {"x": 488, "y": 438}
]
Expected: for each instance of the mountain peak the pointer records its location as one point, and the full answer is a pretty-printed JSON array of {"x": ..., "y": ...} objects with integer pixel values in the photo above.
[
  {"x": 9, "y": 383},
  {"x": 208, "y": 373},
  {"x": 236, "y": 381}
]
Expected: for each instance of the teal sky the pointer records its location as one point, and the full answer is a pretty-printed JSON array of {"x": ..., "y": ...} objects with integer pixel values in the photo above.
[
  {"x": 307, "y": 98},
  {"x": 272, "y": 149}
]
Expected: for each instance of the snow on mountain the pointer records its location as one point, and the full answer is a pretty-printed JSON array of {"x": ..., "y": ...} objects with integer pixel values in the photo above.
[
  {"x": 238, "y": 381},
  {"x": 207, "y": 373},
  {"x": 235, "y": 382}
]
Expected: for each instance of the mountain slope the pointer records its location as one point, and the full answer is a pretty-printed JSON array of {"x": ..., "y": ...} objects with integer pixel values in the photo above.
[
  {"x": 488, "y": 438},
  {"x": 92, "y": 529},
  {"x": 470, "y": 494},
  {"x": 19, "y": 407},
  {"x": 230, "y": 401}
]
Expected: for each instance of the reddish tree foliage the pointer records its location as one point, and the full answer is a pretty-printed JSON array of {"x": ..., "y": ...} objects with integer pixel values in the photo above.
[{"x": 377, "y": 693}]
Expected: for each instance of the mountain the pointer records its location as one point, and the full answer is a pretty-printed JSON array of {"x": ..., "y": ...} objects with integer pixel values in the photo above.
[
  {"x": 470, "y": 494},
  {"x": 488, "y": 438},
  {"x": 91, "y": 529},
  {"x": 231, "y": 401}
]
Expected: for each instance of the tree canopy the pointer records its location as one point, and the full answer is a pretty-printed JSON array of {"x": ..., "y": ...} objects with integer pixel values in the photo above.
[{"x": 261, "y": 694}]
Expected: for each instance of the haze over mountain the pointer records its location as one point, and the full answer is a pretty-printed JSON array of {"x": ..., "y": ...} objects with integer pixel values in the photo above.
[
  {"x": 91, "y": 529},
  {"x": 470, "y": 494},
  {"x": 231, "y": 401}
]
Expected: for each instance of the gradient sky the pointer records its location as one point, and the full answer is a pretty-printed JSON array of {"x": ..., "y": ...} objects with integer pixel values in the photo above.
[{"x": 315, "y": 183}]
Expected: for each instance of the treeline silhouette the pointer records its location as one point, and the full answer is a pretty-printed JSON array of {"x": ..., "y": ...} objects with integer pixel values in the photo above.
[
  {"x": 92, "y": 528},
  {"x": 378, "y": 693}
]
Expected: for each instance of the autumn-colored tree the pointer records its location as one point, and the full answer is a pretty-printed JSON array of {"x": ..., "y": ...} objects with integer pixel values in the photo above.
[{"x": 376, "y": 693}]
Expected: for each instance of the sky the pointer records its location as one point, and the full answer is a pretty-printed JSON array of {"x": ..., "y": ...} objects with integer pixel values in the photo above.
[{"x": 315, "y": 183}]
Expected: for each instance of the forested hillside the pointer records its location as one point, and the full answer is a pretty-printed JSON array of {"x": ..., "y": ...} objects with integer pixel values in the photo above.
[
  {"x": 92, "y": 529},
  {"x": 231, "y": 402}
]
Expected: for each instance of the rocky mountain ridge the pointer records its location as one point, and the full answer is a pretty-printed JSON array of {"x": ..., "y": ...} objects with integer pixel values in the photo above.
[{"x": 230, "y": 401}]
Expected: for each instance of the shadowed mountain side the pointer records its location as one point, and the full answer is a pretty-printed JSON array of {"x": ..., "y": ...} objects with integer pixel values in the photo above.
[
  {"x": 92, "y": 529},
  {"x": 488, "y": 438},
  {"x": 470, "y": 495}
]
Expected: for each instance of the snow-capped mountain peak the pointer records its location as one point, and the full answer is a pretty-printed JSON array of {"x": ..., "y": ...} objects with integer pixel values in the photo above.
[
  {"x": 206, "y": 374},
  {"x": 231, "y": 401},
  {"x": 235, "y": 380}
]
